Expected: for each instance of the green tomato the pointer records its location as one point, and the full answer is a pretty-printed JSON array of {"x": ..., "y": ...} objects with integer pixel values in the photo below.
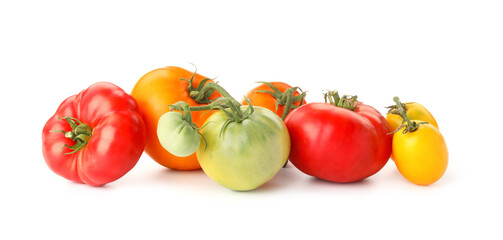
[
  {"x": 247, "y": 154},
  {"x": 177, "y": 135}
]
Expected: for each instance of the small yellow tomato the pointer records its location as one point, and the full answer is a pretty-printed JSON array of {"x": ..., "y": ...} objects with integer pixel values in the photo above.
[
  {"x": 421, "y": 156},
  {"x": 415, "y": 111}
]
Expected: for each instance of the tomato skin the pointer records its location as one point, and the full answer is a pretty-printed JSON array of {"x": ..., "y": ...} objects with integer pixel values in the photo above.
[
  {"x": 415, "y": 111},
  {"x": 248, "y": 154},
  {"x": 117, "y": 142},
  {"x": 154, "y": 92},
  {"x": 177, "y": 135},
  {"x": 421, "y": 156},
  {"x": 337, "y": 144},
  {"x": 268, "y": 101}
]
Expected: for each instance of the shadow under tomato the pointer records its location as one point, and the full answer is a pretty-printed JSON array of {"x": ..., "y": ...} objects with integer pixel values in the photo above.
[
  {"x": 185, "y": 177},
  {"x": 167, "y": 178},
  {"x": 285, "y": 178},
  {"x": 267, "y": 187},
  {"x": 94, "y": 188},
  {"x": 325, "y": 183}
]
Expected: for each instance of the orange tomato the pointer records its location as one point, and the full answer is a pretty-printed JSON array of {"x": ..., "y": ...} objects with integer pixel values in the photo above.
[
  {"x": 267, "y": 100},
  {"x": 154, "y": 92}
]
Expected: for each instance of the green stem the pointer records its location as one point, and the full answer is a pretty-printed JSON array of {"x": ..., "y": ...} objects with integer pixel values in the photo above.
[
  {"x": 202, "y": 94},
  {"x": 81, "y": 133},
  {"x": 346, "y": 101},
  {"x": 285, "y": 99},
  {"x": 332, "y": 97},
  {"x": 288, "y": 103},
  {"x": 186, "y": 112},
  {"x": 218, "y": 88},
  {"x": 236, "y": 111},
  {"x": 411, "y": 126},
  {"x": 218, "y": 102},
  {"x": 224, "y": 103},
  {"x": 395, "y": 108}
]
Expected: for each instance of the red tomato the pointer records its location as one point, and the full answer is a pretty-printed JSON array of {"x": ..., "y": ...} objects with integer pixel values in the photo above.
[
  {"x": 268, "y": 100},
  {"x": 107, "y": 131},
  {"x": 337, "y": 144}
]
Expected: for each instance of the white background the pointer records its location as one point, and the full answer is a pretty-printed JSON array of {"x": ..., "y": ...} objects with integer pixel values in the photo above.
[{"x": 447, "y": 55}]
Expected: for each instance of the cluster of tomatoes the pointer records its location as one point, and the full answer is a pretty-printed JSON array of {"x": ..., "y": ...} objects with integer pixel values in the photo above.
[{"x": 185, "y": 121}]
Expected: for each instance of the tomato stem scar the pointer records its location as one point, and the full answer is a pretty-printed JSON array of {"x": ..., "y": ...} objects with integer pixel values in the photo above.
[
  {"x": 346, "y": 101},
  {"x": 80, "y": 133},
  {"x": 400, "y": 110}
]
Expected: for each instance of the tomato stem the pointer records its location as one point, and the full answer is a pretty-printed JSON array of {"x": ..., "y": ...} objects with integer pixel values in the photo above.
[
  {"x": 400, "y": 110},
  {"x": 194, "y": 92},
  {"x": 202, "y": 93},
  {"x": 187, "y": 116},
  {"x": 229, "y": 106},
  {"x": 186, "y": 112},
  {"x": 349, "y": 102},
  {"x": 80, "y": 133},
  {"x": 204, "y": 90},
  {"x": 395, "y": 107},
  {"x": 284, "y": 98}
]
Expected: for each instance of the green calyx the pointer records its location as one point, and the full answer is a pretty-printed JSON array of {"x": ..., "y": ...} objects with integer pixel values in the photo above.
[
  {"x": 227, "y": 105},
  {"x": 184, "y": 108},
  {"x": 399, "y": 109},
  {"x": 80, "y": 133},
  {"x": 346, "y": 101},
  {"x": 236, "y": 114},
  {"x": 196, "y": 93},
  {"x": 395, "y": 107},
  {"x": 284, "y": 98},
  {"x": 204, "y": 90}
]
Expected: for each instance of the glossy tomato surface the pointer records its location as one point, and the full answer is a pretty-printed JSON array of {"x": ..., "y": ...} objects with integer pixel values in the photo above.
[
  {"x": 338, "y": 144},
  {"x": 177, "y": 135},
  {"x": 116, "y": 144},
  {"x": 421, "y": 156},
  {"x": 154, "y": 92},
  {"x": 246, "y": 154}
]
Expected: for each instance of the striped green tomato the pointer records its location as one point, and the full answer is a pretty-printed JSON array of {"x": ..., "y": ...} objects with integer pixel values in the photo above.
[{"x": 244, "y": 155}]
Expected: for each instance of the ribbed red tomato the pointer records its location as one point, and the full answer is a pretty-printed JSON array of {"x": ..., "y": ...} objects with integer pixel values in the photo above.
[
  {"x": 338, "y": 144},
  {"x": 95, "y": 137}
]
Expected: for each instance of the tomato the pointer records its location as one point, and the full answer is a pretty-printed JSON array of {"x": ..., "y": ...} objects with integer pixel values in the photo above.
[
  {"x": 421, "y": 156},
  {"x": 177, "y": 135},
  {"x": 415, "y": 111},
  {"x": 275, "y": 99},
  {"x": 154, "y": 92},
  {"x": 244, "y": 155},
  {"x": 95, "y": 137},
  {"x": 419, "y": 150},
  {"x": 338, "y": 144}
]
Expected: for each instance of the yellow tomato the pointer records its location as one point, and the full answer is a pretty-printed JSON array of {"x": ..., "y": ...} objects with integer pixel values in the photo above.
[
  {"x": 415, "y": 111},
  {"x": 421, "y": 156}
]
